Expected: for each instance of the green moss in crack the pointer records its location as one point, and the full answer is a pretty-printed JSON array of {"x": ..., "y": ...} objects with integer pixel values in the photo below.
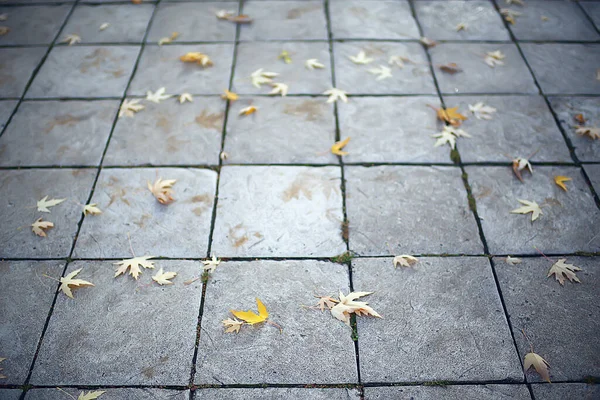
[
  {"x": 454, "y": 156},
  {"x": 436, "y": 383},
  {"x": 343, "y": 258}
]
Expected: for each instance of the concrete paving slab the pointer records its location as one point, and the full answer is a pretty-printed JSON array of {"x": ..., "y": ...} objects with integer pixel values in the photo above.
[
  {"x": 443, "y": 318},
  {"x": 111, "y": 394},
  {"x": 6, "y": 109},
  {"x": 593, "y": 172},
  {"x": 179, "y": 229},
  {"x": 593, "y": 11},
  {"x": 22, "y": 189},
  {"x": 279, "y": 212},
  {"x": 64, "y": 133},
  {"x": 10, "y": 394},
  {"x": 278, "y": 393},
  {"x": 33, "y": 25},
  {"x": 26, "y": 299},
  {"x": 283, "y": 130},
  {"x": 561, "y": 322},
  {"x": 459, "y": 392},
  {"x": 409, "y": 210},
  {"x": 16, "y": 69},
  {"x": 170, "y": 133},
  {"x": 569, "y": 222},
  {"x": 261, "y": 353},
  {"x": 97, "y": 338},
  {"x": 558, "y": 391}
]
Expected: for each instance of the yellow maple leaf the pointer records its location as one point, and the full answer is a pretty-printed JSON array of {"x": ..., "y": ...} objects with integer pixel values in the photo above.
[
  {"x": 338, "y": 146},
  {"x": 250, "y": 316},
  {"x": 230, "y": 96},
  {"x": 560, "y": 181},
  {"x": 91, "y": 209},
  {"x": 68, "y": 281}
]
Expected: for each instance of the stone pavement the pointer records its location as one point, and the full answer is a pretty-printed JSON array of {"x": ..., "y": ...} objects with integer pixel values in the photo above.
[{"x": 281, "y": 207}]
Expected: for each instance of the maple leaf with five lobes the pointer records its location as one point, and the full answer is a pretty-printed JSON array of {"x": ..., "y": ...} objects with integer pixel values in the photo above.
[
  {"x": 405, "y": 261},
  {"x": 229, "y": 96},
  {"x": 313, "y": 63},
  {"x": 335, "y": 95},
  {"x": 560, "y": 181},
  {"x": 536, "y": 361},
  {"x": 71, "y": 39},
  {"x": 337, "y": 147},
  {"x": 198, "y": 58},
  {"x": 39, "y": 227},
  {"x": 445, "y": 136},
  {"x": 134, "y": 264},
  {"x": 382, "y": 72},
  {"x": 162, "y": 278},
  {"x": 232, "y": 325},
  {"x": 494, "y": 58},
  {"x": 44, "y": 203},
  {"x": 260, "y": 76},
  {"x": 326, "y": 302},
  {"x": 90, "y": 395},
  {"x": 481, "y": 111},
  {"x": 512, "y": 260},
  {"x": 348, "y": 305},
  {"x": 361, "y": 58},
  {"x": 130, "y": 107},
  {"x": 185, "y": 97},
  {"x": 212, "y": 264},
  {"x": 593, "y": 133},
  {"x": 528, "y": 207},
  {"x": 162, "y": 190},
  {"x": 248, "y": 110},
  {"x": 91, "y": 209},
  {"x": 279, "y": 88},
  {"x": 157, "y": 96},
  {"x": 562, "y": 270},
  {"x": 67, "y": 281},
  {"x": 251, "y": 317}
]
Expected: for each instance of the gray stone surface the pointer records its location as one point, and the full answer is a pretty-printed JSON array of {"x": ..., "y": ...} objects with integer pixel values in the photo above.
[
  {"x": 409, "y": 210},
  {"x": 569, "y": 223},
  {"x": 284, "y": 20},
  {"x": 261, "y": 353},
  {"x": 522, "y": 126},
  {"x": 10, "y": 394},
  {"x": 169, "y": 133},
  {"x": 593, "y": 11},
  {"x": 111, "y": 394},
  {"x": 559, "y": 391},
  {"x": 459, "y": 392},
  {"x": 22, "y": 189},
  {"x": 160, "y": 66},
  {"x": 561, "y": 323},
  {"x": 33, "y": 25},
  {"x": 84, "y": 71},
  {"x": 58, "y": 133},
  {"x": 439, "y": 20},
  {"x": 122, "y": 331},
  {"x": 593, "y": 172},
  {"x": 478, "y": 77},
  {"x": 564, "y": 68},
  {"x": 283, "y": 130},
  {"x": 252, "y": 56},
  {"x": 279, "y": 212},
  {"x": 179, "y": 229},
  {"x": 16, "y": 68},
  {"x": 25, "y": 301},
  {"x": 564, "y": 20},
  {"x": 391, "y": 129},
  {"x": 414, "y": 78},
  {"x": 372, "y": 20},
  {"x": 566, "y": 108},
  {"x": 278, "y": 394},
  {"x": 443, "y": 319},
  {"x": 128, "y": 23},
  {"x": 195, "y": 22},
  {"x": 6, "y": 109}
]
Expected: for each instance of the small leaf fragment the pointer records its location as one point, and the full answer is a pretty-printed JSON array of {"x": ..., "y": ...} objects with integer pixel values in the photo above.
[
  {"x": 198, "y": 58},
  {"x": 240, "y": 19},
  {"x": 427, "y": 42},
  {"x": 91, "y": 209},
  {"x": 538, "y": 363},
  {"x": 337, "y": 147},
  {"x": 560, "y": 181},
  {"x": 90, "y": 395},
  {"x": 134, "y": 264},
  {"x": 185, "y": 97},
  {"x": 404, "y": 260},
  {"x": 450, "y": 68},
  {"x": 513, "y": 260},
  {"x": 520, "y": 164},
  {"x": 169, "y": 39},
  {"x": 248, "y": 110},
  {"x": 211, "y": 264},
  {"x": 39, "y": 227},
  {"x": 224, "y": 14},
  {"x": 162, "y": 190},
  {"x": 335, "y": 95},
  {"x": 4, "y": 30},
  {"x": 67, "y": 281},
  {"x": 461, "y": 27},
  {"x": 580, "y": 119},
  {"x": 229, "y": 96},
  {"x": 232, "y": 325},
  {"x": 494, "y": 58},
  {"x": 43, "y": 204},
  {"x": 163, "y": 278},
  {"x": 71, "y": 39},
  {"x": 130, "y": 107},
  {"x": 562, "y": 270},
  {"x": 528, "y": 207},
  {"x": 285, "y": 56},
  {"x": 103, "y": 26}
]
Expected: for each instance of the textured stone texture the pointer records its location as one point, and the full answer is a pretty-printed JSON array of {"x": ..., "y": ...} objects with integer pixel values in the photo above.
[
  {"x": 179, "y": 229},
  {"x": 569, "y": 223},
  {"x": 439, "y": 20},
  {"x": 559, "y": 391},
  {"x": 160, "y": 66},
  {"x": 10, "y": 394},
  {"x": 25, "y": 301},
  {"x": 169, "y": 133},
  {"x": 566, "y": 108},
  {"x": 283, "y": 130},
  {"x": 279, "y": 212},
  {"x": 58, "y": 133},
  {"x": 84, "y": 71},
  {"x": 111, "y": 394},
  {"x": 462, "y": 392},
  {"x": 6, "y": 109},
  {"x": 22, "y": 190},
  {"x": 284, "y": 20},
  {"x": 409, "y": 210},
  {"x": 261, "y": 353},
  {"x": 478, "y": 77},
  {"x": 16, "y": 68},
  {"x": 278, "y": 393},
  {"x": 564, "y": 68},
  {"x": 443, "y": 320},
  {"x": 593, "y": 172},
  {"x": 414, "y": 78},
  {"x": 593, "y": 11},
  {"x": 522, "y": 126},
  {"x": 98, "y": 339},
  {"x": 561, "y": 323},
  {"x": 33, "y": 25},
  {"x": 391, "y": 129},
  {"x": 252, "y": 56}
]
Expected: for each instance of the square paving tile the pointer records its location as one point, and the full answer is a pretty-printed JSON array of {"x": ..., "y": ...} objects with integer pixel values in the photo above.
[
  {"x": 478, "y": 77},
  {"x": 179, "y": 229},
  {"x": 128, "y": 23},
  {"x": 111, "y": 394},
  {"x": 97, "y": 339},
  {"x": 25, "y": 301},
  {"x": 261, "y": 353},
  {"x": 283, "y": 130},
  {"x": 160, "y": 66},
  {"x": 195, "y": 22},
  {"x": 22, "y": 189},
  {"x": 10, "y": 394},
  {"x": 559, "y": 391},
  {"x": 85, "y": 71},
  {"x": 564, "y": 68},
  {"x": 593, "y": 172},
  {"x": 6, "y": 109},
  {"x": 169, "y": 133},
  {"x": 58, "y": 133},
  {"x": 521, "y": 126},
  {"x": 252, "y": 56},
  {"x": 277, "y": 393},
  {"x": 16, "y": 67},
  {"x": 442, "y": 320},
  {"x": 561, "y": 323},
  {"x": 593, "y": 11},
  {"x": 389, "y": 215},
  {"x": 414, "y": 78},
  {"x": 566, "y": 108},
  {"x": 284, "y": 20},
  {"x": 562, "y": 20},
  {"x": 372, "y": 20},
  {"x": 569, "y": 223},
  {"x": 439, "y": 20},
  {"x": 391, "y": 129},
  {"x": 452, "y": 392},
  {"x": 279, "y": 212},
  {"x": 33, "y": 25}
]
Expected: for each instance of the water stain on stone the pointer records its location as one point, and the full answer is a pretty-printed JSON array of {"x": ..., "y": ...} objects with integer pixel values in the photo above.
[
  {"x": 295, "y": 13},
  {"x": 149, "y": 372},
  {"x": 94, "y": 60},
  {"x": 142, "y": 221},
  {"x": 62, "y": 150},
  {"x": 359, "y": 11},
  {"x": 201, "y": 198},
  {"x": 306, "y": 182},
  {"x": 311, "y": 110},
  {"x": 198, "y": 211},
  {"x": 551, "y": 201},
  {"x": 163, "y": 122},
  {"x": 483, "y": 192},
  {"x": 174, "y": 144},
  {"x": 238, "y": 235},
  {"x": 65, "y": 120},
  {"x": 209, "y": 120},
  {"x": 373, "y": 50},
  {"x": 118, "y": 73}
]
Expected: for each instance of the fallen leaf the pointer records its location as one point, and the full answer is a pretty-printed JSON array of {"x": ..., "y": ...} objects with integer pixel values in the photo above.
[
  {"x": 449, "y": 135},
  {"x": 169, "y": 39},
  {"x": 313, "y": 63},
  {"x": 285, "y": 56},
  {"x": 162, "y": 278},
  {"x": 44, "y": 203},
  {"x": 450, "y": 115},
  {"x": 509, "y": 15},
  {"x": 540, "y": 365},
  {"x": 224, "y": 14},
  {"x": 398, "y": 61},
  {"x": 593, "y": 133},
  {"x": 134, "y": 265},
  {"x": 90, "y": 395},
  {"x": 520, "y": 164},
  {"x": 4, "y": 30},
  {"x": 337, "y": 147},
  {"x": 279, "y": 88},
  {"x": 528, "y": 207},
  {"x": 198, "y": 58},
  {"x": 248, "y": 110},
  {"x": 67, "y": 281},
  {"x": 251, "y": 317},
  {"x": 91, "y": 209},
  {"x": 560, "y": 181},
  {"x": 240, "y": 19},
  {"x": 544, "y": 18},
  {"x": 381, "y": 72},
  {"x": 136, "y": 1},
  {"x": 232, "y": 325},
  {"x": 3, "y": 17},
  {"x": 512, "y": 260},
  {"x": 450, "y": 68},
  {"x": 71, "y": 39},
  {"x": 162, "y": 190},
  {"x": 260, "y": 77},
  {"x": 562, "y": 270},
  {"x": 494, "y": 58},
  {"x": 39, "y": 226},
  {"x": 157, "y": 96},
  {"x": 461, "y": 27},
  {"x": 405, "y": 261},
  {"x": 347, "y": 305},
  {"x": 580, "y": 119},
  {"x": 326, "y": 302},
  {"x": 481, "y": 111},
  {"x": 361, "y": 58},
  {"x": 211, "y": 264},
  {"x": 130, "y": 107},
  {"x": 223, "y": 156},
  {"x": 1, "y": 375},
  {"x": 185, "y": 97},
  {"x": 427, "y": 42},
  {"x": 335, "y": 95},
  {"x": 103, "y": 26},
  {"x": 229, "y": 96}
]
